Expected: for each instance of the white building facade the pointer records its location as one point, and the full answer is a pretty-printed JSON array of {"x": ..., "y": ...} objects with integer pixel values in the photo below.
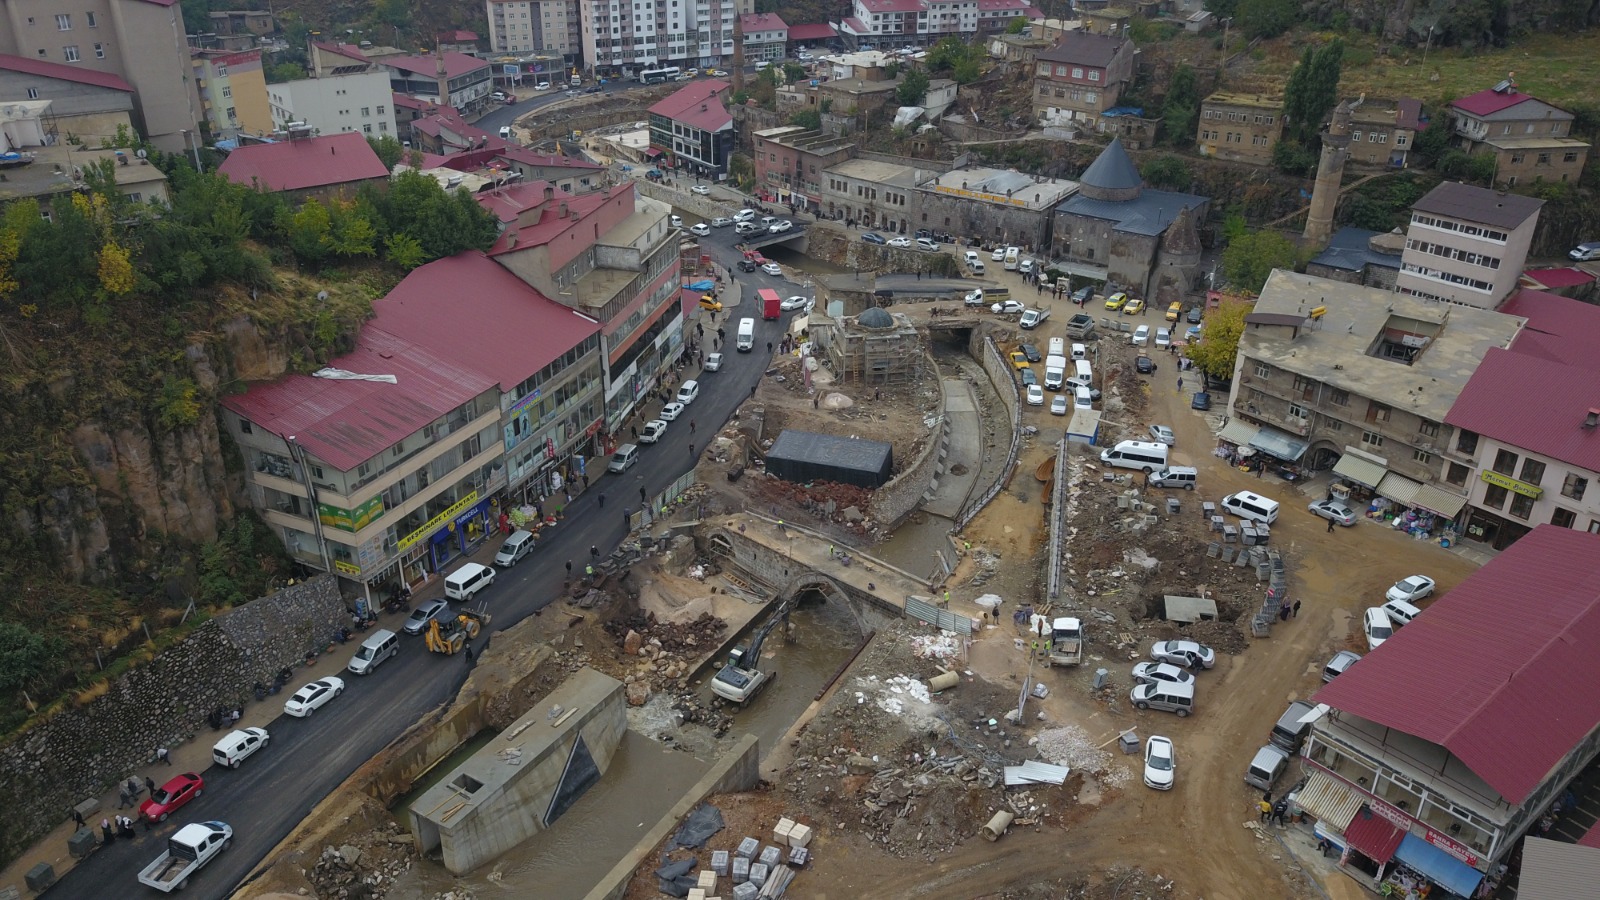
[{"x": 335, "y": 104}]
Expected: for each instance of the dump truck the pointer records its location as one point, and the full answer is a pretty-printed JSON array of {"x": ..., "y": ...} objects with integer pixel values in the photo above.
[
  {"x": 1066, "y": 642},
  {"x": 449, "y": 635},
  {"x": 192, "y": 847},
  {"x": 739, "y": 679}
]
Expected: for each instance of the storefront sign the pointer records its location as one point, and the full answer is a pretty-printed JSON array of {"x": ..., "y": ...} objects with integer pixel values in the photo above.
[
  {"x": 980, "y": 195},
  {"x": 527, "y": 401},
  {"x": 455, "y": 509},
  {"x": 351, "y": 520},
  {"x": 1453, "y": 847},
  {"x": 347, "y": 569},
  {"x": 1396, "y": 818},
  {"x": 1512, "y": 485}
]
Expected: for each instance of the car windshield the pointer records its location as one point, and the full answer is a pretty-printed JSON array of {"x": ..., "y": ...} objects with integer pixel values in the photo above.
[
  {"x": 1381, "y": 631},
  {"x": 1159, "y": 759}
]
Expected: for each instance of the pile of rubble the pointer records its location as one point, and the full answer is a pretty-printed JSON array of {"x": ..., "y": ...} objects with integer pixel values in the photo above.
[
  {"x": 829, "y": 501},
  {"x": 665, "y": 651},
  {"x": 367, "y": 871}
]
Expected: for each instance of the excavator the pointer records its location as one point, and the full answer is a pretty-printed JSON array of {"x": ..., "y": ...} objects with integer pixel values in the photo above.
[
  {"x": 448, "y": 636},
  {"x": 738, "y": 681}
]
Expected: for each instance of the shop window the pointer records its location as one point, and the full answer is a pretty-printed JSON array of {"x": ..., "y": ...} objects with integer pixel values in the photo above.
[
  {"x": 1573, "y": 486},
  {"x": 1521, "y": 506},
  {"x": 1563, "y": 518},
  {"x": 1505, "y": 462},
  {"x": 1494, "y": 496},
  {"x": 1532, "y": 471}
]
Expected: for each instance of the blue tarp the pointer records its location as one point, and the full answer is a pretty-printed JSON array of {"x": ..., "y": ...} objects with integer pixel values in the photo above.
[
  {"x": 1135, "y": 111},
  {"x": 1448, "y": 872},
  {"x": 705, "y": 285}
]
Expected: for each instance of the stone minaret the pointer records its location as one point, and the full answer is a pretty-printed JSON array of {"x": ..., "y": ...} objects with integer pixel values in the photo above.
[{"x": 1330, "y": 172}]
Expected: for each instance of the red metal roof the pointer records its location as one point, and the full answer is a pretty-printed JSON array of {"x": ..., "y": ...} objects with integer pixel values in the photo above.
[
  {"x": 1496, "y": 671},
  {"x": 409, "y": 102},
  {"x": 471, "y": 311},
  {"x": 698, "y": 105},
  {"x": 1559, "y": 328},
  {"x": 307, "y": 163},
  {"x": 1489, "y": 102},
  {"x": 337, "y": 48},
  {"x": 762, "y": 22},
  {"x": 457, "y": 36},
  {"x": 62, "y": 72},
  {"x": 1565, "y": 276},
  {"x": 819, "y": 31},
  {"x": 890, "y": 6},
  {"x": 346, "y": 423},
  {"x": 1496, "y": 404},
  {"x": 1376, "y": 837},
  {"x": 855, "y": 25},
  {"x": 455, "y": 64}
]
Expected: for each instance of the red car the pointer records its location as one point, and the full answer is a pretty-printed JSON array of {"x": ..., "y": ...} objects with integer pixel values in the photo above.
[{"x": 170, "y": 796}]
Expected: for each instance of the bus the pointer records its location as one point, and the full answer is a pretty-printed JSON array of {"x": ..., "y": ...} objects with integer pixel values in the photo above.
[{"x": 651, "y": 76}]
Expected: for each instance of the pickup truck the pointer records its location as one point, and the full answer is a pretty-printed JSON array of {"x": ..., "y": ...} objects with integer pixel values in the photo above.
[
  {"x": 1080, "y": 326},
  {"x": 1033, "y": 318},
  {"x": 1066, "y": 642},
  {"x": 192, "y": 847}
]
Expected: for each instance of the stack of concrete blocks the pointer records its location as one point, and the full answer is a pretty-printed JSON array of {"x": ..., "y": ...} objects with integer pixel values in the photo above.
[
  {"x": 800, "y": 836},
  {"x": 780, "y": 833},
  {"x": 799, "y": 856},
  {"x": 719, "y": 862},
  {"x": 746, "y": 891},
  {"x": 748, "y": 848},
  {"x": 741, "y": 869},
  {"x": 771, "y": 856},
  {"x": 707, "y": 882},
  {"x": 758, "y": 874}
]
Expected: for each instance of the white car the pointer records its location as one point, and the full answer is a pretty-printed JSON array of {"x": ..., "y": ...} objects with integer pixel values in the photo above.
[
  {"x": 1035, "y": 395},
  {"x": 542, "y": 86},
  {"x": 766, "y": 221},
  {"x": 671, "y": 411},
  {"x": 1058, "y": 405},
  {"x": 772, "y": 268},
  {"x": 700, "y": 189},
  {"x": 747, "y": 228},
  {"x": 780, "y": 226},
  {"x": 925, "y": 244},
  {"x": 721, "y": 222},
  {"x": 717, "y": 73},
  {"x": 652, "y": 431},
  {"x": 972, "y": 257},
  {"x": 314, "y": 696},
  {"x": 1161, "y": 434},
  {"x": 1159, "y": 763},
  {"x": 713, "y": 362},
  {"x": 1163, "y": 338},
  {"x": 795, "y": 303},
  {"x": 1141, "y": 335},
  {"x": 1008, "y": 307},
  {"x": 1410, "y": 590},
  {"x": 1184, "y": 653},
  {"x": 744, "y": 215},
  {"x": 1155, "y": 673},
  {"x": 688, "y": 391},
  {"x": 700, "y": 228},
  {"x": 901, "y": 242},
  {"x": 1378, "y": 627},
  {"x": 998, "y": 255}
]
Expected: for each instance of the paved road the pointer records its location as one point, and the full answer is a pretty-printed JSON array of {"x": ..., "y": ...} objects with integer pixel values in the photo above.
[{"x": 308, "y": 758}]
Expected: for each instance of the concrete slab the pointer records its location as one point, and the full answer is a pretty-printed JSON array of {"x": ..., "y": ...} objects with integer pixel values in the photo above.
[{"x": 965, "y": 457}]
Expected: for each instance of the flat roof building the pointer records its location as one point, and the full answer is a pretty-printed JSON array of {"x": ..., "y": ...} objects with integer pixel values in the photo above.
[
  {"x": 1466, "y": 245},
  {"x": 998, "y": 204}
]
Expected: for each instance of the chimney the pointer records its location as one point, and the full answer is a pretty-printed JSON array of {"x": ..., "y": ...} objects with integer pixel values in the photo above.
[
  {"x": 563, "y": 209},
  {"x": 333, "y": 150},
  {"x": 1592, "y": 419},
  {"x": 549, "y": 192}
]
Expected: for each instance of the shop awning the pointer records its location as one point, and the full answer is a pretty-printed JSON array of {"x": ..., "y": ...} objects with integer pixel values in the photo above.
[
  {"x": 1237, "y": 432},
  {"x": 1445, "y": 870},
  {"x": 1364, "y": 472},
  {"x": 1275, "y": 443},
  {"x": 1326, "y": 798},
  {"x": 1399, "y": 488},
  {"x": 1435, "y": 500},
  {"x": 1373, "y": 835},
  {"x": 652, "y": 153}
]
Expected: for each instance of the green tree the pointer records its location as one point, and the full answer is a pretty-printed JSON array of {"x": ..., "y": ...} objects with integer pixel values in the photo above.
[
  {"x": 351, "y": 232},
  {"x": 1250, "y": 259},
  {"x": 444, "y": 224},
  {"x": 967, "y": 71},
  {"x": 278, "y": 73},
  {"x": 1223, "y": 9},
  {"x": 913, "y": 88},
  {"x": 807, "y": 118},
  {"x": 1219, "y": 342},
  {"x": 1266, "y": 18},
  {"x": 1017, "y": 25},
  {"x": 1181, "y": 108},
  {"x": 1473, "y": 168},
  {"x": 1167, "y": 171},
  {"x": 388, "y": 148},
  {"x": 309, "y": 230},
  {"x": 26, "y": 657},
  {"x": 403, "y": 251},
  {"x": 1433, "y": 141},
  {"x": 1293, "y": 158},
  {"x": 793, "y": 73},
  {"x": 1313, "y": 90}
]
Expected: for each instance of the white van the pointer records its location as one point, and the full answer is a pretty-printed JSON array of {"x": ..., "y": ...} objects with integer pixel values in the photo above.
[
  {"x": 1013, "y": 258},
  {"x": 1055, "y": 371},
  {"x": 1175, "y": 477},
  {"x": 1058, "y": 347},
  {"x": 1266, "y": 767},
  {"x": 1082, "y": 398},
  {"x": 379, "y": 646},
  {"x": 518, "y": 545},
  {"x": 1146, "y": 455},
  {"x": 1080, "y": 351},
  {"x": 1167, "y": 696},
  {"x": 1401, "y": 612},
  {"x": 236, "y": 745},
  {"x": 747, "y": 336},
  {"x": 1082, "y": 373},
  {"x": 505, "y": 132},
  {"x": 467, "y": 580},
  {"x": 1251, "y": 506}
]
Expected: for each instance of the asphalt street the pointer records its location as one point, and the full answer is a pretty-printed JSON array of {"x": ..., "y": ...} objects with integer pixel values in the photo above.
[{"x": 307, "y": 759}]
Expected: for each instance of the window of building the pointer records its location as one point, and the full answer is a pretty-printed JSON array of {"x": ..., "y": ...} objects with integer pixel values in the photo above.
[
  {"x": 1574, "y": 485},
  {"x": 1563, "y": 518},
  {"x": 1532, "y": 471},
  {"x": 33, "y": 93},
  {"x": 1544, "y": 159},
  {"x": 1494, "y": 496},
  {"x": 244, "y": 427},
  {"x": 1429, "y": 429},
  {"x": 1569, "y": 157},
  {"x": 1261, "y": 370},
  {"x": 1372, "y": 439},
  {"x": 1338, "y": 397},
  {"x": 1456, "y": 474},
  {"x": 1377, "y": 412},
  {"x": 1521, "y": 506},
  {"x": 1467, "y": 442},
  {"x": 70, "y": 53},
  {"x": 89, "y": 18},
  {"x": 1422, "y": 456},
  {"x": 1077, "y": 72},
  {"x": 64, "y": 22},
  {"x": 1332, "y": 424},
  {"x": 1356, "y": 137},
  {"x": 1505, "y": 462},
  {"x": 1516, "y": 159},
  {"x": 1094, "y": 74},
  {"x": 1296, "y": 411}
]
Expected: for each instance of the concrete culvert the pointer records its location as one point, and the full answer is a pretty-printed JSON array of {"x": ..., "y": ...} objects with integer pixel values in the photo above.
[{"x": 998, "y": 825}]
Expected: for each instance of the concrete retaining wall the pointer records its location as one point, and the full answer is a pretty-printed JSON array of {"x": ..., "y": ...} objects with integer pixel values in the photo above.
[
  {"x": 1000, "y": 378},
  {"x": 81, "y": 752},
  {"x": 739, "y": 770},
  {"x": 916, "y": 483}
]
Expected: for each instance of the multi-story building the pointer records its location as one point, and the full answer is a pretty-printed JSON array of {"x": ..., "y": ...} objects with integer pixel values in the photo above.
[
  {"x": 233, "y": 92},
  {"x": 1467, "y": 245},
  {"x": 995, "y": 204},
  {"x": 995, "y": 16},
  {"x": 766, "y": 36},
  {"x": 867, "y": 193},
  {"x": 905, "y": 23},
  {"x": 1526, "y": 439},
  {"x": 618, "y": 37},
  {"x": 346, "y": 92},
  {"x": 1382, "y": 132},
  {"x": 1530, "y": 139},
  {"x": 1324, "y": 367},
  {"x": 612, "y": 255},
  {"x": 1080, "y": 78},
  {"x": 1417, "y": 760},
  {"x": 449, "y": 79},
  {"x": 1240, "y": 127},
  {"x": 325, "y": 167},
  {"x": 693, "y": 130},
  {"x": 791, "y": 161},
  {"x": 75, "y": 104},
  {"x": 535, "y": 26},
  {"x": 137, "y": 41}
]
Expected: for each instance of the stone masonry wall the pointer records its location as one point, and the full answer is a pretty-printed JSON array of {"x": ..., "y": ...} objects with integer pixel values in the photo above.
[
  {"x": 907, "y": 490},
  {"x": 984, "y": 350},
  {"x": 82, "y": 752}
]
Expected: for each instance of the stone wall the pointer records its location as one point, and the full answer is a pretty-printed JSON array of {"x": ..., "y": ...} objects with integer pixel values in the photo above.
[
  {"x": 82, "y": 752},
  {"x": 911, "y": 488},
  {"x": 984, "y": 350}
]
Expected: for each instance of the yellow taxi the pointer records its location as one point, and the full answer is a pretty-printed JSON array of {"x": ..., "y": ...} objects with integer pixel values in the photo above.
[
  {"x": 1115, "y": 301},
  {"x": 1019, "y": 359},
  {"x": 708, "y": 302},
  {"x": 1133, "y": 307},
  {"x": 1174, "y": 311}
]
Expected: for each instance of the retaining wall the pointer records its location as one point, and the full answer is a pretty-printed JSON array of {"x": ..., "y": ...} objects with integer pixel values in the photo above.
[
  {"x": 999, "y": 371},
  {"x": 915, "y": 484},
  {"x": 81, "y": 752}
]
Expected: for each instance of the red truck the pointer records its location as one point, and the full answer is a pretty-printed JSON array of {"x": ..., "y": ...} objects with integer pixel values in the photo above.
[{"x": 770, "y": 303}]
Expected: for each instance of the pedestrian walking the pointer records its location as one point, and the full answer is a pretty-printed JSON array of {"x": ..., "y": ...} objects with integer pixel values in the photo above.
[
  {"x": 634, "y": 430},
  {"x": 602, "y": 499},
  {"x": 1283, "y": 614},
  {"x": 753, "y": 389},
  {"x": 1296, "y": 612},
  {"x": 1279, "y": 810},
  {"x": 123, "y": 800},
  {"x": 1266, "y": 809},
  {"x": 1180, "y": 384},
  {"x": 466, "y": 651},
  {"x": 105, "y": 829},
  {"x": 594, "y": 552},
  {"x": 586, "y": 481},
  {"x": 161, "y": 756},
  {"x": 769, "y": 348},
  {"x": 133, "y": 787},
  {"x": 691, "y": 449},
  {"x": 1330, "y": 526},
  {"x": 691, "y": 426},
  {"x": 627, "y": 517},
  {"x": 77, "y": 818},
  {"x": 150, "y": 785}
]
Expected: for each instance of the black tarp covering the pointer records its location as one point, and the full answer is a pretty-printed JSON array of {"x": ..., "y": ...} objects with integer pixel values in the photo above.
[{"x": 803, "y": 456}]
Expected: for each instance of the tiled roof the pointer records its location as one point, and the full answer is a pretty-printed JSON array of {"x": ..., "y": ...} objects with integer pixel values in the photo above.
[
  {"x": 698, "y": 104},
  {"x": 1489, "y": 102},
  {"x": 1085, "y": 49},
  {"x": 445, "y": 302},
  {"x": 341, "y": 49},
  {"x": 62, "y": 72},
  {"x": 890, "y": 6},
  {"x": 819, "y": 31},
  {"x": 1521, "y": 705},
  {"x": 301, "y": 164},
  {"x": 762, "y": 22},
  {"x": 1564, "y": 276},
  {"x": 1475, "y": 204},
  {"x": 455, "y": 64}
]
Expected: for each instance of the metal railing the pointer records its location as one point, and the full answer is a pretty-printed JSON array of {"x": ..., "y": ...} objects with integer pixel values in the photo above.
[{"x": 997, "y": 364}]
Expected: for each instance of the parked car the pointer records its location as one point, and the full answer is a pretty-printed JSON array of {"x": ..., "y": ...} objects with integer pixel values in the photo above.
[
  {"x": 1028, "y": 377},
  {"x": 974, "y": 297},
  {"x": 1183, "y": 653},
  {"x": 1341, "y": 662},
  {"x": 1008, "y": 307},
  {"x": 688, "y": 392},
  {"x": 901, "y": 242},
  {"x": 1585, "y": 252},
  {"x": 701, "y": 189},
  {"x": 748, "y": 228},
  {"x": 1375, "y": 623},
  {"x": 1083, "y": 295},
  {"x": 1058, "y": 405},
  {"x": 1019, "y": 360},
  {"x": 1201, "y": 401},
  {"x": 1174, "y": 310},
  {"x": 713, "y": 362},
  {"x": 1030, "y": 351},
  {"x": 872, "y": 237},
  {"x": 972, "y": 257},
  {"x": 1152, "y": 672},
  {"x": 744, "y": 215},
  {"x": 1160, "y": 764},
  {"x": 1116, "y": 301},
  {"x": 746, "y": 265},
  {"x": 1144, "y": 365},
  {"x": 652, "y": 431},
  {"x": 701, "y": 229},
  {"x": 1194, "y": 315},
  {"x": 313, "y": 696},
  {"x": 1163, "y": 338},
  {"x": 424, "y": 613},
  {"x": 500, "y": 97},
  {"x": 167, "y": 799},
  {"x": 721, "y": 222},
  {"x": 925, "y": 244},
  {"x": 773, "y": 269},
  {"x": 717, "y": 73},
  {"x": 1410, "y": 589},
  {"x": 1035, "y": 395},
  {"x": 1161, "y": 434},
  {"x": 1337, "y": 510},
  {"x": 542, "y": 86},
  {"x": 998, "y": 255},
  {"x": 780, "y": 226},
  {"x": 1133, "y": 307},
  {"x": 794, "y": 303},
  {"x": 1141, "y": 336},
  {"x": 671, "y": 412}
]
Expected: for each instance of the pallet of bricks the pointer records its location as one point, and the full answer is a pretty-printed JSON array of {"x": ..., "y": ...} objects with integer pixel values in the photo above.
[{"x": 754, "y": 870}]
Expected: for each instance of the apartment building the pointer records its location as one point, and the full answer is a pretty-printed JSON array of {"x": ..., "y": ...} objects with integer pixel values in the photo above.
[
  {"x": 995, "y": 16},
  {"x": 140, "y": 42},
  {"x": 1467, "y": 245},
  {"x": 449, "y": 79},
  {"x": 1080, "y": 78},
  {"x": 535, "y": 26},
  {"x": 693, "y": 130},
  {"x": 1382, "y": 132},
  {"x": 233, "y": 92},
  {"x": 345, "y": 93},
  {"x": 1324, "y": 367},
  {"x": 1530, "y": 139},
  {"x": 790, "y": 162},
  {"x": 71, "y": 103},
  {"x": 1416, "y": 762},
  {"x": 869, "y": 194},
  {"x": 619, "y": 36},
  {"x": 888, "y": 24},
  {"x": 766, "y": 37},
  {"x": 1240, "y": 127},
  {"x": 612, "y": 255},
  {"x": 1526, "y": 439}
]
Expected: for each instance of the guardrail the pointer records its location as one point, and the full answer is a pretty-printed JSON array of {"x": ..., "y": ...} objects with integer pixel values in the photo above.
[
  {"x": 1058, "y": 506},
  {"x": 994, "y": 362}
]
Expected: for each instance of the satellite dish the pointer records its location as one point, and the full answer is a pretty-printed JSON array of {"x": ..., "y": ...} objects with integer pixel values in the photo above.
[
  {"x": 140, "y": 153},
  {"x": 322, "y": 295}
]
